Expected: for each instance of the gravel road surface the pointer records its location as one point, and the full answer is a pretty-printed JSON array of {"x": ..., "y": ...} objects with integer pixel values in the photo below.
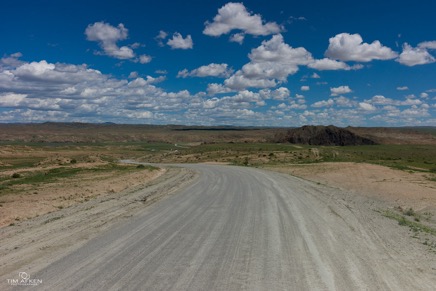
[{"x": 239, "y": 228}]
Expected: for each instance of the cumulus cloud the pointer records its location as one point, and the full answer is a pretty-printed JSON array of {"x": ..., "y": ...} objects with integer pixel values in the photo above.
[
  {"x": 141, "y": 82},
  {"x": 11, "y": 60},
  {"x": 328, "y": 64},
  {"x": 324, "y": 103},
  {"x": 211, "y": 70},
  {"x": 281, "y": 93},
  {"x": 144, "y": 59},
  {"x": 11, "y": 99},
  {"x": 43, "y": 90},
  {"x": 29, "y": 75},
  {"x": 234, "y": 16},
  {"x": 340, "y": 90},
  {"x": 133, "y": 75},
  {"x": 239, "y": 82},
  {"x": 366, "y": 106},
  {"x": 107, "y": 37},
  {"x": 428, "y": 45},
  {"x": 415, "y": 56},
  {"x": 332, "y": 65},
  {"x": 350, "y": 47},
  {"x": 423, "y": 95},
  {"x": 161, "y": 37},
  {"x": 402, "y": 88},
  {"x": 178, "y": 42},
  {"x": 392, "y": 105},
  {"x": 215, "y": 88},
  {"x": 270, "y": 63},
  {"x": 237, "y": 37},
  {"x": 344, "y": 101},
  {"x": 305, "y": 88}
]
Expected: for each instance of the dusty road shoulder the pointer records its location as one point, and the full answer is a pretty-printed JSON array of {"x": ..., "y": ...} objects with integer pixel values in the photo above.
[{"x": 35, "y": 243}]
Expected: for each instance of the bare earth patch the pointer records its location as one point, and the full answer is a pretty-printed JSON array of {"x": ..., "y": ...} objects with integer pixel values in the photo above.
[
  {"x": 40, "y": 241},
  {"x": 33, "y": 201},
  {"x": 397, "y": 187}
]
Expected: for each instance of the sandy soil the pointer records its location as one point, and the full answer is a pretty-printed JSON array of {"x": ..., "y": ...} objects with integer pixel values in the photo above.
[
  {"x": 399, "y": 188},
  {"x": 38, "y": 241},
  {"x": 48, "y": 197}
]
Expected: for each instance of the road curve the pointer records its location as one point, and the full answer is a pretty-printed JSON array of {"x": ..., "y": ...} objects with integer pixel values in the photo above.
[{"x": 238, "y": 228}]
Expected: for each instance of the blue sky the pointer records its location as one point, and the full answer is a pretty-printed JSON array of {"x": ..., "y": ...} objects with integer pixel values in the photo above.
[{"x": 257, "y": 63}]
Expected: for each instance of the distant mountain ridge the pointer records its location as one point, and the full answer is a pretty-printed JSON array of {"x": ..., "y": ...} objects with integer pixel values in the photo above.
[{"x": 324, "y": 135}]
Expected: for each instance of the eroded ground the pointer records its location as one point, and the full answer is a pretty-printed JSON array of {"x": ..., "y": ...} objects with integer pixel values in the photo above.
[{"x": 34, "y": 182}]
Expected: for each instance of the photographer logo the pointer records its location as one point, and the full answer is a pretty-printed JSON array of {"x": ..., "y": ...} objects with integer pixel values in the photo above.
[{"x": 24, "y": 280}]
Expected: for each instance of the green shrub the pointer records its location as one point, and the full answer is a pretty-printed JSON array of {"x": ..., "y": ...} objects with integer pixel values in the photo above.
[
  {"x": 16, "y": 175},
  {"x": 410, "y": 212}
]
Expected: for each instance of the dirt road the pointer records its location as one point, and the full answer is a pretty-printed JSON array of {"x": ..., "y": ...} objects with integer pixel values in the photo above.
[{"x": 236, "y": 228}]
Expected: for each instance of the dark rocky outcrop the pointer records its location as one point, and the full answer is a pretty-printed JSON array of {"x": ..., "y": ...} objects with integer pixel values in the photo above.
[{"x": 324, "y": 135}]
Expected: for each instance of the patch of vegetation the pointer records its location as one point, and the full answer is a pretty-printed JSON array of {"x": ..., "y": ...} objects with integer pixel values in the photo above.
[
  {"x": 16, "y": 175},
  {"x": 56, "y": 174},
  {"x": 416, "y": 226},
  {"x": 146, "y": 167}
]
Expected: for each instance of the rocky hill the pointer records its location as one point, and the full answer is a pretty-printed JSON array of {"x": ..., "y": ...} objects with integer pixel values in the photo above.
[{"x": 324, "y": 135}]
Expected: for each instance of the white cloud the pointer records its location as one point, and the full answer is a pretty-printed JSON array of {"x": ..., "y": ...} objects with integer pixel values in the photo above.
[
  {"x": 279, "y": 94},
  {"x": 136, "y": 45},
  {"x": 382, "y": 100},
  {"x": 423, "y": 95},
  {"x": 11, "y": 99},
  {"x": 366, "y": 106},
  {"x": 210, "y": 103},
  {"x": 11, "y": 60},
  {"x": 237, "y": 37},
  {"x": 415, "y": 111},
  {"x": 215, "y": 88},
  {"x": 328, "y": 64},
  {"x": 41, "y": 91},
  {"x": 211, "y": 70},
  {"x": 305, "y": 88},
  {"x": 350, "y": 47},
  {"x": 183, "y": 73},
  {"x": 34, "y": 69},
  {"x": 415, "y": 56},
  {"x": 139, "y": 114},
  {"x": 133, "y": 75},
  {"x": 270, "y": 63},
  {"x": 161, "y": 72},
  {"x": 340, "y": 90},
  {"x": 141, "y": 82},
  {"x": 402, "y": 88},
  {"x": 107, "y": 36},
  {"x": 428, "y": 45},
  {"x": 344, "y": 102},
  {"x": 144, "y": 59},
  {"x": 161, "y": 37},
  {"x": 323, "y": 103},
  {"x": 235, "y": 16},
  {"x": 239, "y": 82},
  {"x": 178, "y": 42},
  {"x": 44, "y": 72},
  {"x": 80, "y": 93},
  {"x": 315, "y": 76}
]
